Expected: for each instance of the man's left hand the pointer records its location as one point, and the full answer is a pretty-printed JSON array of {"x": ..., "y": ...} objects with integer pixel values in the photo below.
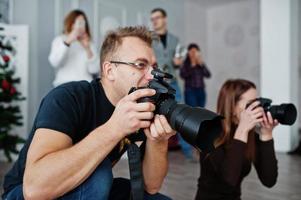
[{"x": 159, "y": 129}]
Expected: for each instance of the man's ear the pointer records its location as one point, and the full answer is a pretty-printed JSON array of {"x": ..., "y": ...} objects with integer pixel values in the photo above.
[{"x": 108, "y": 71}]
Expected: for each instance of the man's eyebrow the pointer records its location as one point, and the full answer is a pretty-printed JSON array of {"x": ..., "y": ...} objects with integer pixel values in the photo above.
[{"x": 142, "y": 59}]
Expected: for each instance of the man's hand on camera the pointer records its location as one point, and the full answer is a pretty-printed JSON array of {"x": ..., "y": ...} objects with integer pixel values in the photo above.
[
  {"x": 159, "y": 129},
  {"x": 130, "y": 116}
]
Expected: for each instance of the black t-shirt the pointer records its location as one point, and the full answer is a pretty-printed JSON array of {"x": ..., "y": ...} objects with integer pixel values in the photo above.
[
  {"x": 163, "y": 39},
  {"x": 75, "y": 109}
]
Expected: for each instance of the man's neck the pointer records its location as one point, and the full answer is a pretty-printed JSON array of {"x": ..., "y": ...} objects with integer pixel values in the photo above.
[
  {"x": 161, "y": 31},
  {"x": 109, "y": 91}
]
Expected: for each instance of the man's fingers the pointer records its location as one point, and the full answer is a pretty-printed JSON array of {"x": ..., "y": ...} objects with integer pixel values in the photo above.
[
  {"x": 145, "y": 124},
  {"x": 145, "y": 115},
  {"x": 165, "y": 124},
  {"x": 158, "y": 125},
  {"x": 144, "y": 107},
  {"x": 134, "y": 96},
  {"x": 153, "y": 131}
]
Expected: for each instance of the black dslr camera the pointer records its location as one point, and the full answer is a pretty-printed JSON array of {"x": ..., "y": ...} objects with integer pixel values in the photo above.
[
  {"x": 285, "y": 113},
  {"x": 198, "y": 126}
]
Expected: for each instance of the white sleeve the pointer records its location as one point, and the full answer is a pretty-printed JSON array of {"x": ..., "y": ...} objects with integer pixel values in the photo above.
[
  {"x": 93, "y": 63},
  {"x": 58, "y": 52}
]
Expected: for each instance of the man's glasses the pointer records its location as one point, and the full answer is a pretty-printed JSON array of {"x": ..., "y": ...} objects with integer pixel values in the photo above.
[
  {"x": 156, "y": 18},
  {"x": 144, "y": 66}
]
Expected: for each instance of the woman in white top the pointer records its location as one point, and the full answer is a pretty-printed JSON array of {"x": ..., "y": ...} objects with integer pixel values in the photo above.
[{"x": 73, "y": 55}]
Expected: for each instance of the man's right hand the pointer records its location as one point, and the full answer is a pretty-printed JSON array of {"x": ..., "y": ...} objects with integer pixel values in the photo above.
[{"x": 130, "y": 116}]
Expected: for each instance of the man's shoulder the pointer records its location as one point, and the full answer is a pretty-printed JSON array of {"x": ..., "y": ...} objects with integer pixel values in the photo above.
[
  {"x": 74, "y": 89},
  {"x": 78, "y": 86},
  {"x": 172, "y": 36}
]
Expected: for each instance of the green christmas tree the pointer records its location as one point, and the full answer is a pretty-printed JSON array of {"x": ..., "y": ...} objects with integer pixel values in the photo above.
[{"x": 10, "y": 114}]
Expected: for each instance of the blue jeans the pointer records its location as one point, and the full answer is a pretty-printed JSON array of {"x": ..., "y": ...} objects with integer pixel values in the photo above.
[
  {"x": 195, "y": 97},
  {"x": 178, "y": 96},
  {"x": 96, "y": 187}
]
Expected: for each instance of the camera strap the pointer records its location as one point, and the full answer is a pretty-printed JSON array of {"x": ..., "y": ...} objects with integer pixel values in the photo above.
[{"x": 135, "y": 167}]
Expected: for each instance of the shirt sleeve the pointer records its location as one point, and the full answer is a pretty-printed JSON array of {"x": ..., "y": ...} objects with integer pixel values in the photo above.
[
  {"x": 93, "y": 63},
  {"x": 59, "y": 111},
  {"x": 206, "y": 72},
  {"x": 58, "y": 52},
  {"x": 186, "y": 71},
  {"x": 266, "y": 162}
]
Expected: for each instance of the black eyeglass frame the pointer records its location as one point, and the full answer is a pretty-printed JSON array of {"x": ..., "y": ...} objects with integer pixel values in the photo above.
[{"x": 136, "y": 65}]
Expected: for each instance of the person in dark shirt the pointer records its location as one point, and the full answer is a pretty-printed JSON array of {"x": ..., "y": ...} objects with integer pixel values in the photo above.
[
  {"x": 81, "y": 129},
  {"x": 247, "y": 138},
  {"x": 193, "y": 71}
]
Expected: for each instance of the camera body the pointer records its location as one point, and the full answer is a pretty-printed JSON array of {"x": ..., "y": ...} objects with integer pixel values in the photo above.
[
  {"x": 285, "y": 113},
  {"x": 198, "y": 126},
  {"x": 165, "y": 94}
]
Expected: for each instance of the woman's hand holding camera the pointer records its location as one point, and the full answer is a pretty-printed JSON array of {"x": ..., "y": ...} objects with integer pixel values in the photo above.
[
  {"x": 267, "y": 127},
  {"x": 255, "y": 114},
  {"x": 249, "y": 117}
]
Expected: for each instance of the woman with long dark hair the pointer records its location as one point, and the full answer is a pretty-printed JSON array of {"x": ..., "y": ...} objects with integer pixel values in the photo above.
[{"x": 246, "y": 138}]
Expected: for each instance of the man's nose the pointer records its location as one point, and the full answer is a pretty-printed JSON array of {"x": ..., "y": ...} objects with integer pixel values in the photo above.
[{"x": 148, "y": 74}]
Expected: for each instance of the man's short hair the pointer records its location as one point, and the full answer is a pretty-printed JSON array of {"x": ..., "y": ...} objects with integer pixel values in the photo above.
[
  {"x": 113, "y": 40},
  {"x": 161, "y": 10}
]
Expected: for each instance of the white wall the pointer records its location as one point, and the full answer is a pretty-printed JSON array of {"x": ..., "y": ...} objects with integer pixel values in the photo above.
[
  {"x": 279, "y": 62},
  {"x": 232, "y": 45},
  {"x": 299, "y": 60}
]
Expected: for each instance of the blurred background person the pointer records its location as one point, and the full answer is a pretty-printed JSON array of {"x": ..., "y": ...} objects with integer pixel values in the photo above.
[
  {"x": 246, "y": 138},
  {"x": 165, "y": 46},
  {"x": 73, "y": 55},
  {"x": 193, "y": 71}
]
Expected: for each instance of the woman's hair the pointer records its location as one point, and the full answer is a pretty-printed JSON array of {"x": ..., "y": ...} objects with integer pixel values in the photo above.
[
  {"x": 187, "y": 60},
  {"x": 228, "y": 97},
  {"x": 70, "y": 19}
]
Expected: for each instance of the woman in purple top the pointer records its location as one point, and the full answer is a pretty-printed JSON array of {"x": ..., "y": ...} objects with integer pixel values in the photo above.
[{"x": 193, "y": 71}]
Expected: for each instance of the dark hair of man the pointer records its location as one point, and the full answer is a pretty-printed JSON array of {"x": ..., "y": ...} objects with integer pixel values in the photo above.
[
  {"x": 113, "y": 40},
  {"x": 161, "y": 10}
]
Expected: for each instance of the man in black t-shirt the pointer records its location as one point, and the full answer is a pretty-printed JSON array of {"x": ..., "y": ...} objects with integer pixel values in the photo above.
[{"x": 78, "y": 133}]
